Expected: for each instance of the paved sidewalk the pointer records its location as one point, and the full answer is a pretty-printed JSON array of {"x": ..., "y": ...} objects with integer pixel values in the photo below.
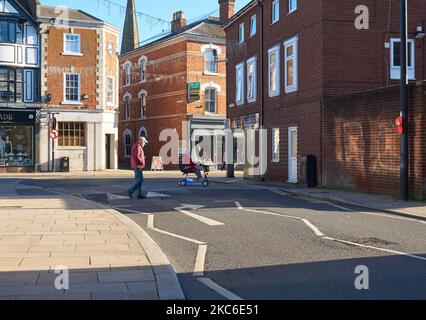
[{"x": 105, "y": 253}]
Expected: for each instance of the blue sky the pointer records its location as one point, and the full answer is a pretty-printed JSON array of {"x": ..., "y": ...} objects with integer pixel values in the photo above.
[{"x": 162, "y": 9}]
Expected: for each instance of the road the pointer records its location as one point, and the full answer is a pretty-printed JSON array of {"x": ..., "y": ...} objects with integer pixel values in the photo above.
[{"x": 253, "y": 241}]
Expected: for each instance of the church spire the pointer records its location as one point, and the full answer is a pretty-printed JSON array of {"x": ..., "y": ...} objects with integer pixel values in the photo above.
[{"x": 130, "y": 31}]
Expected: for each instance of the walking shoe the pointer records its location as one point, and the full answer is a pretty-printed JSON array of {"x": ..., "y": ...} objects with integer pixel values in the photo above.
[{"x": 130, "y": 195}]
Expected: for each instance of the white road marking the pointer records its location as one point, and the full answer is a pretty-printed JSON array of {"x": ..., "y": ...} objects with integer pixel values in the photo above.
[
  {"x": 200, "y": 260},
  {"x": 239, "y": 206},
  {"x": 279, "y": 192},
  {"x": 193, "y": 207},
  {"x": 202, "y": 219},
  {"x": 313, "y": 228},
  {"x": 221, "y": 290},
  {"x": 337, "y": 206},
  {"x": 376, "y": 248},
  {"x": 151, "y": 226}
]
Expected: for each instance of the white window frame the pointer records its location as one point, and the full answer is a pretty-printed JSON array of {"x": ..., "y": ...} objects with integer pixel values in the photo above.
[
  {"x": 112, "y": 101},
  {"x": 127, "y": 68},
  {"x": 395, "y": 72},
  {"x": 206, "y": 62},
  {"x": 277, "y": 92},
  {"x": 241, "y": 32},
  {"x": 238, "y": 67},
  {"x": 253, "y": 25},
  {"x": 295, "y": 43},
  {"x": 215, "y": 101},
  {"x": 290, "y": 9},
  {"x": 127, "y": 132},
  {"x": 141, "y": 94},
  {"x": 143, "y": 129},
  {"x": 275, "y": 18},
  {"x": 252, "y": 61},
  {"x": 143, "y": 64},
  {"x": 275, "y": 146},
  {"x": 72, "y": 53},
  {"x": 127, "y": 113},
  {"x": 65, "y": 89}
]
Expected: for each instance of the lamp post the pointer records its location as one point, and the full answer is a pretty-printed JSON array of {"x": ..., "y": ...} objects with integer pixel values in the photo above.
[{"x": 404, "y": 104}]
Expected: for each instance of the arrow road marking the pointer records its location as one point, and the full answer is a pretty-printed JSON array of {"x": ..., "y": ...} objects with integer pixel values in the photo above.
[{"x": 205, "y": 220}]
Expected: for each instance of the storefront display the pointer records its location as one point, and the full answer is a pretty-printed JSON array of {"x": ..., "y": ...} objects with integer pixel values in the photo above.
[{"x": 17, "y": 138}]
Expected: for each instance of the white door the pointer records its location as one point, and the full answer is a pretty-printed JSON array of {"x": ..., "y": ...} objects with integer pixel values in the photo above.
[{"x": 292, "y": 154}]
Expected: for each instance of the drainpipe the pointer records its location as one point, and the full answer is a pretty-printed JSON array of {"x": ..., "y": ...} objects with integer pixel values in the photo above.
[{"x": 260, "y": 4}]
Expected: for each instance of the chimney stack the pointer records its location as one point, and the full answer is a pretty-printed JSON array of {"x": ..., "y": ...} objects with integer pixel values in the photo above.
[
  {"x": 227, "y": 9},
  {"x": 179, "y": 22}
]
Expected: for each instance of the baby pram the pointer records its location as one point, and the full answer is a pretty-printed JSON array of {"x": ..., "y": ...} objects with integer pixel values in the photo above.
[{"x": 187, "y": 167}]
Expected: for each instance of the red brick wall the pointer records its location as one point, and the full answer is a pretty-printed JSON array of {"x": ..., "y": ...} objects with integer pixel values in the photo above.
[
  {"x": 85, "y": 65},
  {"x": 361, "y": 146}
]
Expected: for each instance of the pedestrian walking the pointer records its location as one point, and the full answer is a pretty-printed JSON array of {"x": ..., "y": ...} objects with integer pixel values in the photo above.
[{"x": 137, "y": 162}]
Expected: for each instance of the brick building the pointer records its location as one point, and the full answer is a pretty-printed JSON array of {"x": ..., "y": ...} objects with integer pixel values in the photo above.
[
  {"x": 155, "y": 78},
  {"x": 79, "y": 82},
  {"x": 19, "y": 85},
  {"x": 308, "y": 51}
]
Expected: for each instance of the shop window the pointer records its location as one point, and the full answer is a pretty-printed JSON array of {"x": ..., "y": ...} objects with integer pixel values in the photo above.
[
  {"x": 16, "y": 146},
  {"x": 71, "y": 134}
]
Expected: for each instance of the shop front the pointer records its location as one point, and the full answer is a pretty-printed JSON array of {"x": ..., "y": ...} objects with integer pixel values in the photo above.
[{"x": 17, "y": 140}]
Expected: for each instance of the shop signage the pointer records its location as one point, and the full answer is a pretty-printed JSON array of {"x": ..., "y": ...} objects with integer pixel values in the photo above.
[
  {"x": 194, "y": 89},
  {"x": 157, "y": 163},
  {"x": 17, "y": 116}
]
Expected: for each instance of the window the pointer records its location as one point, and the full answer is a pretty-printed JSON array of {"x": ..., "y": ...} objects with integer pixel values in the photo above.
[
  {"x": 127, "y": 107},
  {"x": 16, "y": 146},
  {"x": 8, "y": 31},
  {"x": 251, "y": 79},
  {"x": 275, "y": 145},
  {"x": 210, "y": 98},
  {"x": 143, "y": 67},
  {"x": 210, "y": 61},
  {"x": 110, "y": 91},
  {"x": 274, "y": 71},
  {"x": 72, "y": 43},
  {"x": 239, "y": 98},
  {"x": 71, "y": 134},
  {"x": 142, "y": 97},
  {"x": 11, "y": 85},
  {"x": 127, "y": 137},
  {"x": 253, "y": 25},
  {"x": 275, "y": 11},
  {"x": 72, "y": 87},
  {"x": 241, "y": 33},
  {"x": 127, "y": 73},
  {"x": 292, "y": 6},
  {"x": 291, "y": 67},
  {"x": 396, "y": 59}
]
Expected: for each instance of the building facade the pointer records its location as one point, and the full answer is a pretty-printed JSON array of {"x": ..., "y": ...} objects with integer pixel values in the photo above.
[
  {"x": 19, "y": 85},
  {"x": 285, "y": 57},
  {"x": 177, "y": 82},
  {"x": 79, "y": 85}
]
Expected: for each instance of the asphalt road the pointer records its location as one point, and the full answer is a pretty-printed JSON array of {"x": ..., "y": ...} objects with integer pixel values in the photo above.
[{"x": 252, "y": 241}]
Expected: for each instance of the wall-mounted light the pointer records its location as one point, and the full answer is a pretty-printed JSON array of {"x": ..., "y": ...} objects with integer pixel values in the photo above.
[{"x": 420, "y": 33}]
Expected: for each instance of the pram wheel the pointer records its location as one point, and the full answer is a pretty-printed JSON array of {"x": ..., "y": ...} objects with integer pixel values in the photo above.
[
  {"x": 182, "y": 183},
  {"x": 205, "y": 183}
]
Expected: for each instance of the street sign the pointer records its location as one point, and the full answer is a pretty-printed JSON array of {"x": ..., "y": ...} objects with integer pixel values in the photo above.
[
  {"x": 194, "y": 89},
  {"x": 54, "y": 134}
]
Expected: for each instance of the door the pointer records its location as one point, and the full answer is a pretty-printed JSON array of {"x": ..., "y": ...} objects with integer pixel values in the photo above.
[
  {"x": 292, "y": 154},
  {"x": 108, "y": 151}
]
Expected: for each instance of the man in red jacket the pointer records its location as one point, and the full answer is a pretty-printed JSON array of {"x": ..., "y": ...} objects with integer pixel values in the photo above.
[{"x": 137, "y": 161}]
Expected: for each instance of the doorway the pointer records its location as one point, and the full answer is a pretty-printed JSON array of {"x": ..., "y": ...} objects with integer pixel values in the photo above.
[{"x": 292, "y": 154}]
